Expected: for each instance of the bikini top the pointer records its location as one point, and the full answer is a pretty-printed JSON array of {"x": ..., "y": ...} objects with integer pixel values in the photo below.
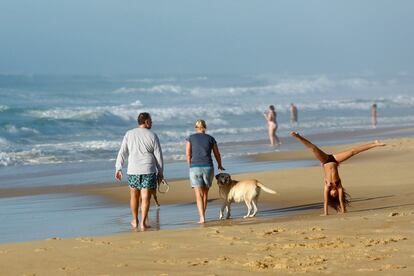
[{"x": 336, "y": 184}]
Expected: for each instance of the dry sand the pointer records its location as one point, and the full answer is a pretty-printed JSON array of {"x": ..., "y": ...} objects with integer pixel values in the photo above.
[{"x": 376, "y": 236}]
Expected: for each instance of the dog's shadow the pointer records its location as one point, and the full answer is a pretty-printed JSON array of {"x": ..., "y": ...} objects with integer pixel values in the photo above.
[{"x": 297, "y": 208}]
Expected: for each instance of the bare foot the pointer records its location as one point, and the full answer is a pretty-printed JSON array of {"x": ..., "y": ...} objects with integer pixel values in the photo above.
[
  {"x": 134, "y": 223},
  {"x": 144, "y": 227},
  {"x": 378, "y": 143},
  {"x": 202, "y": 221}
]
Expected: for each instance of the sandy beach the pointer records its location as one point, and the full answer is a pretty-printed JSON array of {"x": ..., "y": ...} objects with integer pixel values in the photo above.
[{"x": 375, "y": 236}]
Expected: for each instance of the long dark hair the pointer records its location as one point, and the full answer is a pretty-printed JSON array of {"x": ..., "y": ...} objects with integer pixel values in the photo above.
[{"x": 334, "y": 201}]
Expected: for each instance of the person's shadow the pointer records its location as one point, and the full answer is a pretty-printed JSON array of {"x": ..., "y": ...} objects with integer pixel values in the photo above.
[{"x": 155, "y": 222}]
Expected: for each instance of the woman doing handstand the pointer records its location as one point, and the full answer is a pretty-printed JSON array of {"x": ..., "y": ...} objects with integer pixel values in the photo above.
[{"x": 334, "y": 193}]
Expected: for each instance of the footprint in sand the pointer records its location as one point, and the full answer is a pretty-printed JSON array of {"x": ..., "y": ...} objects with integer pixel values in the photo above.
[
  {"x": 315, "y": 237},
  {"x": 257, "y": 265},
  {"x": 373, "y": 242},
  {"x": 223, "y": 259},
  {"x": 136, "y": 242},
  {"x": 394, "y": 214},
  {"x": 316, "y": 228},
  {"x": 81, "y": 247},
  {"x": 121, "y": 265},
  {"x": 293, "y": 245},
  {"x": 158, "y": 246},
  {"x": 215, "y": 234},
  {"x": 42, "y": 249},
  {"x": 374, "y": 258},
  {"x": 365, "y": 269},
  {"x": 68, "y": 269},
  {"x": 85, "y": 239},
  {"x": 197, "y": 262},
  {"x": 274, "y": 231},
  {"x": 392, "y": 266},
  {"x": 103, "y": 243}
]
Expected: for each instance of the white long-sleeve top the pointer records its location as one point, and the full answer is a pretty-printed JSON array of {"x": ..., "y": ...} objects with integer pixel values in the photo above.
[{"x": 142, "y": 148}]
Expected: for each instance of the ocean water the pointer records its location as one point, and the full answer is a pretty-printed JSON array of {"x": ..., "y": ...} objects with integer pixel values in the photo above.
[
  {"x": 66, "y": 130},
  {"x": 80, "y": 121}
]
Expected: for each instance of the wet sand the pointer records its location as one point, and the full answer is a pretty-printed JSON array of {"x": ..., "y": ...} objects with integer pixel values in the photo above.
[{"x": 375, "y": 237}]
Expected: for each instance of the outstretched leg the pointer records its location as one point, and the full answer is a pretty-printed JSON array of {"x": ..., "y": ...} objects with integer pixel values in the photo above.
[
  {"x": 319, "y": 154},
  {"x": 342, "y": 156}
]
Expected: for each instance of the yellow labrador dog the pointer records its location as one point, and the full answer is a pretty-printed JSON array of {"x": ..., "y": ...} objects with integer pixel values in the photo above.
[{"x": 236, "y": 191}]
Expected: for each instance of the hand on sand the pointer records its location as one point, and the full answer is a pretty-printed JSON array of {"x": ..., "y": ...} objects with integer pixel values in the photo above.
[{"x": 378, "y": 143}]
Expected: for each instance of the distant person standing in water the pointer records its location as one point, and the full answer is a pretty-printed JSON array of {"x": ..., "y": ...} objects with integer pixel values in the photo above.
[
  {"x": 271, "y": 118},
  {"x": 142, "y": 149},
  {"x": 199, "y": 147},
  {"x": 374, "y": 115},
  {"x": 293, "y": 115}
]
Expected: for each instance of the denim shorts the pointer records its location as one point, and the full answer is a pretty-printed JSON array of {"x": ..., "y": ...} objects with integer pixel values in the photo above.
[
  {"x": 142, "y": 181},
  {"x": 201, "y": 176}
]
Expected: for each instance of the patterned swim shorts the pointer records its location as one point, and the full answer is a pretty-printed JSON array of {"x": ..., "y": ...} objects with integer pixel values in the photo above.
[{"x": 142, "y": 181}]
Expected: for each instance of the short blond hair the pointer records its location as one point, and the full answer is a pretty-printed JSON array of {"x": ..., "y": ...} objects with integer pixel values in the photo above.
[{"x": 200, "y": 124}]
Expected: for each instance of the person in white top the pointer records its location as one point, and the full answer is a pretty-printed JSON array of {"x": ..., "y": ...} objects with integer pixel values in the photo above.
[{"x": 142, "y": 149}]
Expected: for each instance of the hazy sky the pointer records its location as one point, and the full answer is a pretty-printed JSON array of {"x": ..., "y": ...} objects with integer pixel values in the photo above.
[{"x": 210, "y": 36}]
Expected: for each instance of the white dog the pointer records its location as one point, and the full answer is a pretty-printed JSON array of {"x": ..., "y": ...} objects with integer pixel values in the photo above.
[{"x": 236, "y": 191}]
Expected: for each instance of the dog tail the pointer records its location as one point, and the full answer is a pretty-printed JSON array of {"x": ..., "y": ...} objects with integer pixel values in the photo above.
[{"x": 267, "y": 190}]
